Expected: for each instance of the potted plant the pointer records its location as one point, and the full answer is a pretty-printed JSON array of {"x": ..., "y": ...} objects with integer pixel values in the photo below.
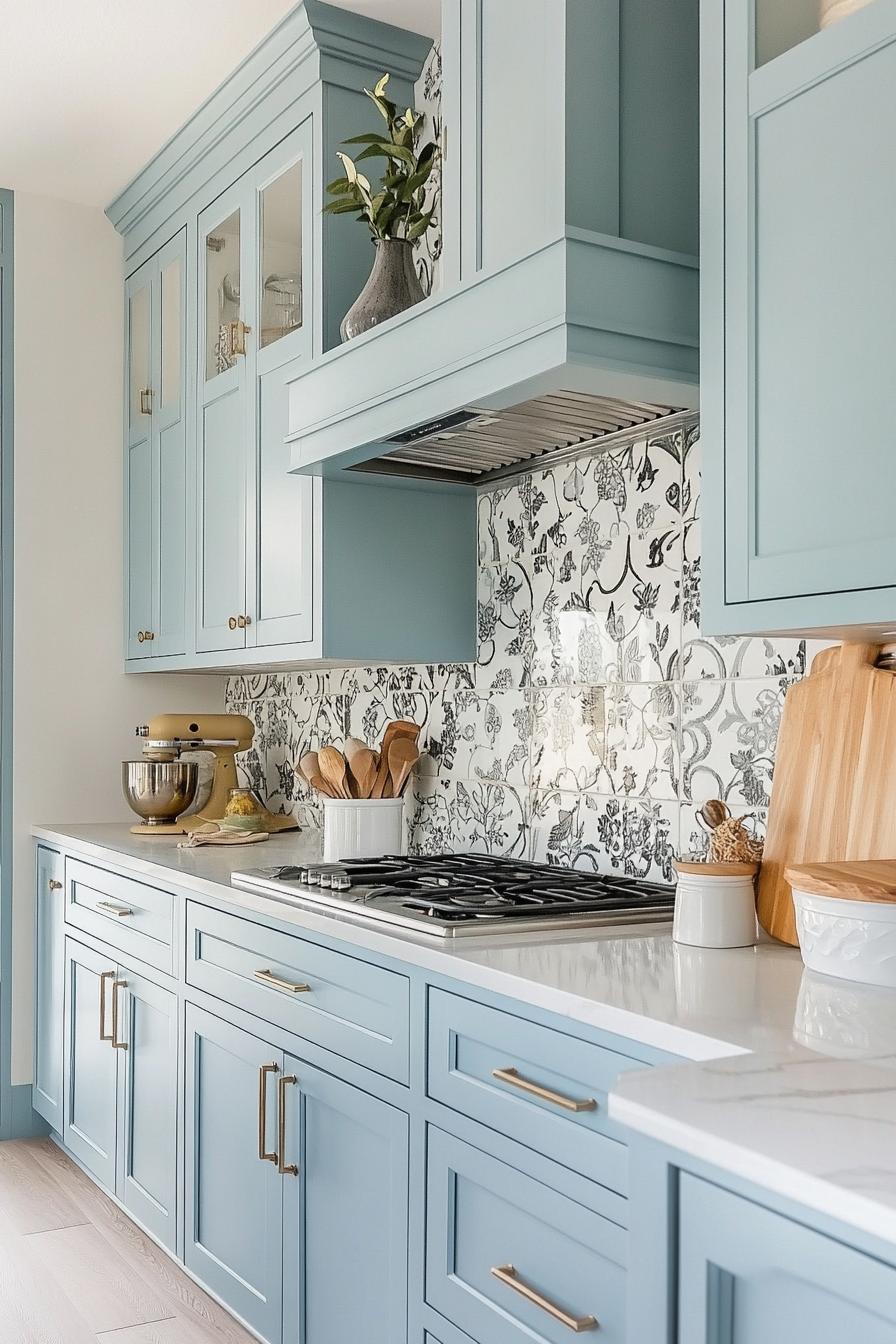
[{"x": 394, "y": 211}]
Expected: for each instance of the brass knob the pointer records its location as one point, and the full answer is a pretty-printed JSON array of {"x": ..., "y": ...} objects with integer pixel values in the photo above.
[
  {"x": 248, "y": 620},
  {"x": 232, "y": 622},
  {"x": 243, "y": 621},
  {"x": 150, "y": 634},
  {"x": 54, "y": 885},
  {"x": 141, "y": 635}
]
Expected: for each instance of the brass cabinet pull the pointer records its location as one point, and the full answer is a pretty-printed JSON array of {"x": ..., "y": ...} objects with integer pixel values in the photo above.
[
  {"x": 263, "y": 1154},
  {"x": 104, "y": 1035},
  {"x": 113, "y": 909},
  {"x": 146, "y": 401},
  {"x": 232, "y": 622},
  {"x": 515, "y": 1079},
  {"x": 238, "y": 333},
  {"x": 143, "y": 636},
  {"x": 54, "y": 885},
  {"x": 507, "y": 1275},
  {"x": 116, "y": 1043},
  {"x": 244, "y": 622},
  {"x": 269, "y": 978},
  {"x": 284, "y": 1168}
]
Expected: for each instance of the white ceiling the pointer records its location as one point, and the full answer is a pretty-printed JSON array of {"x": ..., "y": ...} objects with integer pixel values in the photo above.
[{"x": 90, "y": 89}]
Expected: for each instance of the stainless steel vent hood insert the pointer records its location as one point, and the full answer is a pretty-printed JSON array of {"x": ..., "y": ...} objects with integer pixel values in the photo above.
[{"x": 472, "y": 444}]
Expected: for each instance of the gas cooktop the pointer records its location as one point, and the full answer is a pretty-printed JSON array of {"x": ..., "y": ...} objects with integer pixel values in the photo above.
[{"x": 458, "y": 895}]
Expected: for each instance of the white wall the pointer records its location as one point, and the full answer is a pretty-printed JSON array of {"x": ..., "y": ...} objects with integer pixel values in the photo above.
[{"x": 75, "y": 710}]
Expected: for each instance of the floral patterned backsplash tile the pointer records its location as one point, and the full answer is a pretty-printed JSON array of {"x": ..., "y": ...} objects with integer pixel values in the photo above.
[{"x": 596, "y": 718}]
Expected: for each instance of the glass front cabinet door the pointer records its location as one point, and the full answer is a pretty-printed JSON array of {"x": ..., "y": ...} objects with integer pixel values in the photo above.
[
  {"x": 254, "y": 526},
  {"x": 156, "y": 461}
]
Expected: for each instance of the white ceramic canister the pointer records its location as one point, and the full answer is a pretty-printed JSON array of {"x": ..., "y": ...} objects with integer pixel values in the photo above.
[
  {"x": 363, "y": 828},
  {"x": 715, "y": 904}
]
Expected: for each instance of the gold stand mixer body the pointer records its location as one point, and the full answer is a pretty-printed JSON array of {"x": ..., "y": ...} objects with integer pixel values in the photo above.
[{"x": 171, "y": 737}]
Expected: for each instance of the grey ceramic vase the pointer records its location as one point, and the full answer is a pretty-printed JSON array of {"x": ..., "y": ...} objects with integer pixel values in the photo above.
[{"x": 392, "y": 286}]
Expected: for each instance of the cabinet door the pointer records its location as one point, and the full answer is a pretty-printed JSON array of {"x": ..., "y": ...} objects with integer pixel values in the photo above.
[
  {"x": 169, "y": 451},
  {"x": 280, "y": 556},
  {"x": 225, "y": 422},
  {"x": 809, "y": 272},
  {"x": 233, "y": 1238},
  {"x": 139, "y": 474},
  {"x": 750, "y": 1276},
  {"x": 147, "y": 1104},
  {"x": 91, "y": 1065},
  {"x": 50, "y": 981},
  {"x": 346, "y": 1215}
]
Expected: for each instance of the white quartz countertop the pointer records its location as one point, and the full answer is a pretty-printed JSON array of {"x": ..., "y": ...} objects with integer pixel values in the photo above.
[
  {"x": 684, "y": 1000},
  {"x": 794, "y": 1080}
]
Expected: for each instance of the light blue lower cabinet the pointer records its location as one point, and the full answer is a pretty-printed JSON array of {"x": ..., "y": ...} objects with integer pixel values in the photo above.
[
  {"x": 91, "y": 1066},
  {"x": 509, "y": 1260},
  {"x": 346, "y": 1213},
  {"x": 146, "y": 1178},
  {"x": 748, "y": 1275},
  {"x": 233, "y": 1234},
  {"x": 49, "y": 968}
]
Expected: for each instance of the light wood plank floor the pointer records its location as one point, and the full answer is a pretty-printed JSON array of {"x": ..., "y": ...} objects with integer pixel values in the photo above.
[{"x": 75, "y": 1270}]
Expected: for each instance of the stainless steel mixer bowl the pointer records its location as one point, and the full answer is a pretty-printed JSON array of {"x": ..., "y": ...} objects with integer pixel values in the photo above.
[{"x": 159, "y": 791}]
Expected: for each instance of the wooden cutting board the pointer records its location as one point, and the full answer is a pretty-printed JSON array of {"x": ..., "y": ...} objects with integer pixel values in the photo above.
[{"x": 834, "y": 789}]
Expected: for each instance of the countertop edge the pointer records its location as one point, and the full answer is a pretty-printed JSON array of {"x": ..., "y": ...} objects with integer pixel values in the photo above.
[{"x": 780, "y": 1178}]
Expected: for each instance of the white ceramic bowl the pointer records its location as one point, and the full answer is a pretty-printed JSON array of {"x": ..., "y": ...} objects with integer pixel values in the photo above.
[
  {"x": 853, "y": 940},
  {"x": 363, "y": 828}
]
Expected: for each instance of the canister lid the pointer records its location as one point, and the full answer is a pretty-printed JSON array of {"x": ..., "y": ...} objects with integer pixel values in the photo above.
[
  {"x": 864, "y": 880},
  {"x": 695, "y": 864}
]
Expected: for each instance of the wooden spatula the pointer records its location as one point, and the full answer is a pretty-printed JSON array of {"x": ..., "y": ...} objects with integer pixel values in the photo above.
[
  {"x": 352, "y": 746},
  {"x": 398, "y": 728},
  {"x": 362, "y": 769},
  {"x": 403, "y": 756},
  {"x": 308, "y": 766},
  {"x": 332, "y": 768}
]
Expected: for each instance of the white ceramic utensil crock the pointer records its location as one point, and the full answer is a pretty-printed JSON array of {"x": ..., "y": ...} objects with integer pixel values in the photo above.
[
  {"x": 715, "y": 904},
  {"x": 363, "y": 828}
]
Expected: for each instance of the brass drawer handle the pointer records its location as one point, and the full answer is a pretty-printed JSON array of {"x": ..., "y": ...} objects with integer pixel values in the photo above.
[
  {"x": 54, "y": 885},
  {"x": 119, "y": 910},
  {"x": 515, "y": 1079},
  {"x": 269, "y": 978},
  {"x": 263, "y": 1154},
  {"x": 104, "y": 1035},
  {"x": 284, "y": 1168},
  {"x": 231, "y": 621},
  {"x": 507, "y": 1275},
  {"x": 116, "y": 986}
]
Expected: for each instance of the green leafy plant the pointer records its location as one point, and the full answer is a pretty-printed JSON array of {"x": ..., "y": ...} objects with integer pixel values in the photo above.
[{"x": 394, "y": 209}]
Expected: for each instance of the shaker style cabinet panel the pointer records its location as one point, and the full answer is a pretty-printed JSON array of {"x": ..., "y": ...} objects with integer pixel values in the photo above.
[
  {"x": 120, "y": 1085},
  {"x": 346, "y": 1215},
  {"x": 255, "y": 521},
  {"x": 798, "y": 343},
  {"x": 233, "y": 1236},
  {"x": 751, "y": 1276},
  {"x": 49, "y": 942},
  {"x": 156, "y": 474},
  {"x": 91, "y": 1071}
]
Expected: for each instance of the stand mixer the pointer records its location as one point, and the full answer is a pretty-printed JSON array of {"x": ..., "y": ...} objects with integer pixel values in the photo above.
[{"x": 162, "y": 786}]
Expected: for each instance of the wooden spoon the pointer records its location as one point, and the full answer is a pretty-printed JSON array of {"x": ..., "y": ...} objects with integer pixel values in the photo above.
[
  {"x": 352, "y": 746},
  {"x": 332, "y": 767},
  {"x": 319, "y": 783},
  {"x": 308, "y": 766},
  {"x": 403, "y": 755},
  {"x": 362, "y": 769},
  {"x": 398, "y": 728}
]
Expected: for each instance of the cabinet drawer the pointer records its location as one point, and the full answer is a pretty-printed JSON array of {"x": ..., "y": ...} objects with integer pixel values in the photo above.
[
  {"x": 126, "y": 914},
  {"x": 532, "y": 1083},
  {"x": 333, "y": 999},
  {"x": 510, "y": 1260}
]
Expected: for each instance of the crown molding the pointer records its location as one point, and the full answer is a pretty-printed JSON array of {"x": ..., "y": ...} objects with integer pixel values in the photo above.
[{"x": 313, "y": 43}]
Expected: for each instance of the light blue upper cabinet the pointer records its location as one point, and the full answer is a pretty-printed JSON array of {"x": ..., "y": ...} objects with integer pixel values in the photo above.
[
  {"x": 798, "y": 272},
  {"x": 747, "y": 1275},
  {"x": 156, "y": 482}
]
